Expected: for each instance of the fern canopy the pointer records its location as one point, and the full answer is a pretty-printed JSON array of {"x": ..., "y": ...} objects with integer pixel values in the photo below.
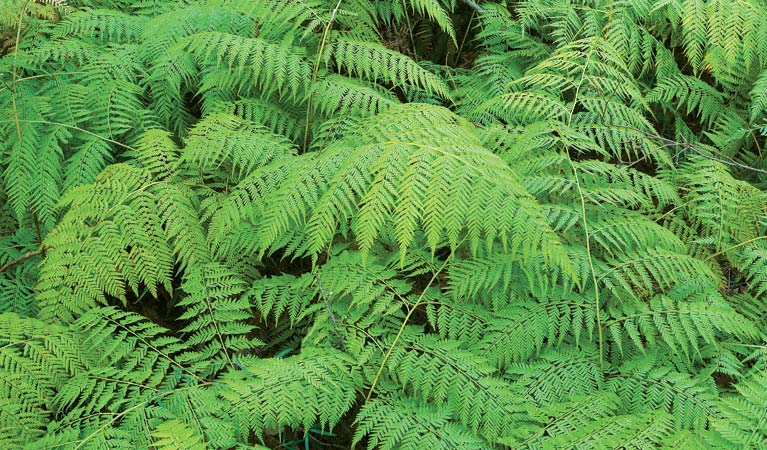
[{"x": 391, "y": 224}]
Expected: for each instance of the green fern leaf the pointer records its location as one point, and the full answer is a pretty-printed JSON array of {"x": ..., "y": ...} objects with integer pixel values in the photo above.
[
  {"x": 216, "y": 315},
  {"x": 392, "y": 421},
  {"x": 175, "y": 435},
  {"x": 375, "y": 62},
  {"x": 297, "y": 391}
]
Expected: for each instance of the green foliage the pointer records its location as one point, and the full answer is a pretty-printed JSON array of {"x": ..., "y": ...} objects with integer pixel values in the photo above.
[
  {"x": 216, "y": 317},
  {"x": 262, "y": 395},
  {"x": 743, "y": 419},
  {"x": 172, "y": 435},
  {"x": 228, "y": 224}
]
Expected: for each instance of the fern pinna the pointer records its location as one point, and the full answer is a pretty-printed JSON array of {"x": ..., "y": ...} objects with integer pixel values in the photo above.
[{"x": 228, "y": 224}]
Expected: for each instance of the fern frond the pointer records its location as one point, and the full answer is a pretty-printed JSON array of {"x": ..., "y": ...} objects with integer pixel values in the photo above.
[
  {"x": 281, "y": 20},
  {"x": 281, "y": 121},
  {"x": 103, "y": 24},
  {"x": 246, "y": 59},
  {"x": 683, "y": 439},
  {"x": 694, "y": 24},
  {"x": 394, "y": 421},
  {"x": 524, "y": 329},
  {"x": 728, "y": 210},
  {"x": 17, "y": 282},
  {"x": 297, "y": 391},
  {"x": 350, "y": 301},
  {"x": 274, "y": 296},
  {"x": 175, "y": 435},
  {"x": 32, "y": 171},
  {"x": 566, "y": 418},
  {"x": 499, "y": 29},
  {"x": 499, "y": 277},
  {"x": 689, "y": 94},
  {"x": 216, "y": 315},
  {"x": 222, "y": 144},
  {"x": 178, "y": 210},
  {"x": 116, "y": 112},
  {"x": 621, "y": 235},
  {"x": 557, "y": 375},
  {"x": 758, "y": 97},
  {"x": 36, "y": 359},
  {"x": 679, "y": 324},
  {"x": 645, "y": 387},
  {"x": 434, "y": 10},
  {"x": 120, "y": 199},
  {"x": 458, "y": 320},
  {"x": 642, "y": 273},
  {"x": 743, "y": 421},
  {"x": 636, "y": 431},
  {"x": 375, "y": 62},
  {"x": 439, "y": 372},
  {"x": 87, "y": 161},
  {"x": 752, "y": 260},
  {"x": 122, "y": 63},
  {"x": 166, "y": 28},
  {"x": 156, "y": 152},
  {"x": 388, "y": 179},
  {"x": 526, "y": 107},
  {"x": 130, "y": 358},
  {"x": 340, "y": 95}
]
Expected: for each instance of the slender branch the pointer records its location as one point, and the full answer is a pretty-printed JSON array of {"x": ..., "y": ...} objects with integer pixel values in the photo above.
[
  {"x": 725, "y": 162},
  {"x": 463, "y": 41},
  {"x": 8, "y": 87},
  {"x": 404, "y": 324},
  {"x": 740, "y": 244},
  {"x": 73, "y": 127},
  {"x": 473, "y": 5},
  {"x": 22, "y": 258},
  {"x": 687, "y": 146},
  {"x": 15, "y": 74},
  {"x": 581, "y": 195}
]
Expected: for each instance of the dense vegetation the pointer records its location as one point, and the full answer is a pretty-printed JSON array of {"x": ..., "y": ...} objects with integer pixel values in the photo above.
[{"x": 394, "y": 224}]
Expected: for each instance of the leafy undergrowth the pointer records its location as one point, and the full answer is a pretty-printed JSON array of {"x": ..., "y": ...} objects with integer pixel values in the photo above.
[{"x": 228, "y": 224}]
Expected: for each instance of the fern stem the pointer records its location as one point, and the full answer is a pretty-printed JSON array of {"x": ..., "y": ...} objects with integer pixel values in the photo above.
[
  {"x": 315, "y": 69},
  {"x": 404, "y": 324},
  {"x": 756, "y": 429},
  {"x": 21, "y": 259},
  {"x": 746, "y": 242},
  {"x": 38, "y": 232},
  {"x": 597, "y": 303},
  {"x": 82, "y": 130},
  {"x": 669, "y": 212},
  {"x": 14, "y": 72},
  {"x": 138, "y": 405},
  {"x": 14, "y": 105},
  {"x": 154, "y": 348},
  {"x": 366, "y": 333},
  {"x": 692, "y": 148},
  {"x": 411, "y": 35},
  {"x": 219, "y": 334},
  {"x": 34, "y": 77},
  {"x": 463, "y": 41}
]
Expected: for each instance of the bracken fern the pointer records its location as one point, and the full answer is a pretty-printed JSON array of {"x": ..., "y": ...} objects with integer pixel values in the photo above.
[{"x": 228, "y": 224}]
